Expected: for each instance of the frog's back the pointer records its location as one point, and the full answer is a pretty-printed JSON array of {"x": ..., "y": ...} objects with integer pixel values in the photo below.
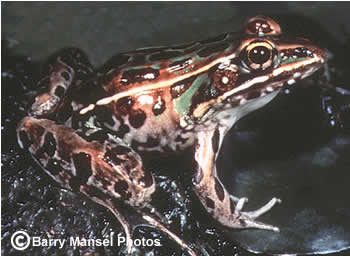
[{"x": 157, "y": 67}]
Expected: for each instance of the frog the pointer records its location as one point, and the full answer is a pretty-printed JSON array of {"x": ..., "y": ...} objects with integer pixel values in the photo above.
[{"x": 88, "y": 129}]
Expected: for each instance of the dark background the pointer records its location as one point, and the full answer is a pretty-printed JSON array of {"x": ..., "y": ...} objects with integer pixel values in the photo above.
[
  {"x": 30, "y": 200},
  {"x": 103, "y": 29}
]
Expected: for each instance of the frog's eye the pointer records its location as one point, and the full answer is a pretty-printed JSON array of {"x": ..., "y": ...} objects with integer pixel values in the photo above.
[{"x": 258, "y": 55}]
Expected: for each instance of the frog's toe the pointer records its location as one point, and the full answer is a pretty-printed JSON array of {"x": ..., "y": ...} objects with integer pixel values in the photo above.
[
  {"x": 247, "y": 219},
  {"x": 255, "y": 214},
  {"x": 249, "y": 223},
  {"x": 236, "y": 199}
]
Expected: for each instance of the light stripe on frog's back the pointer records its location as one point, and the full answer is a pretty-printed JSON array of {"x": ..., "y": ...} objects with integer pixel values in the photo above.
[{"x": 130, "y": 79}]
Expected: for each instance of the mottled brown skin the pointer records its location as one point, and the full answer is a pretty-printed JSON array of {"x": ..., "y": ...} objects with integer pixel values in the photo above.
[{"x": 87, "y": 128}]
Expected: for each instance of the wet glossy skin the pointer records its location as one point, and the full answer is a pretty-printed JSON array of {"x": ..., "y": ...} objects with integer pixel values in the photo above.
[{"x": 88, "y": 128}]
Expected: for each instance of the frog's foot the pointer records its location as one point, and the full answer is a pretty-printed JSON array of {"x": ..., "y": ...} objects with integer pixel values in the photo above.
[
  {"x": 247, "y": 219},
  {"x": 225, "y": 208},
  {"x": 65, "y": 69}
]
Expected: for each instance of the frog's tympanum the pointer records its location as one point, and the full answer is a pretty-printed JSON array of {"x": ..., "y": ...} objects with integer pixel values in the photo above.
[{"x": 87, "y": 129}]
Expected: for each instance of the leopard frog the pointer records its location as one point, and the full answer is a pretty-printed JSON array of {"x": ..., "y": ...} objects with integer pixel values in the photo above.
[{"x": 87, "y": 128}]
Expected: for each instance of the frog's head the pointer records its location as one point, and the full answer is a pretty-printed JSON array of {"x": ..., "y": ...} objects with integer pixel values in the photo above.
[{"x": 263, "y": 62}]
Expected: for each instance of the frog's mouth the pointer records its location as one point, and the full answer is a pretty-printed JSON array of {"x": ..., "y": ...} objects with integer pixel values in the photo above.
[{"x": 263, "y": 85}]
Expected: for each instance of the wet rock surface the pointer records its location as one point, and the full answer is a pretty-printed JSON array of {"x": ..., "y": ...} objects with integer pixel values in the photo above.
[{"x": 288, "y": 149}]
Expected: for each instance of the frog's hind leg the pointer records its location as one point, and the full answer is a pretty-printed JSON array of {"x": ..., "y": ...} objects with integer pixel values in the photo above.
[
  {"x": 101, "y": 171},
  {"x": 62, "y": 72},
  {"x": 224, "y": 207}
]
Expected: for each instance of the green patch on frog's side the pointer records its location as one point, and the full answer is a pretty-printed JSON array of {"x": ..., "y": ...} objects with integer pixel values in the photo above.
[
  {"x": 156, "y": 66},
  {"x": 183, "y": 103},
  {"x": 291, "y": 60}
]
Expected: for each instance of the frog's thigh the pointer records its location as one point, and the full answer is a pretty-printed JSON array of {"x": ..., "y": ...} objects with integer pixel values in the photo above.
[
  {"x": 224, "y": 207},
  {"x": 100, "y": 171}
]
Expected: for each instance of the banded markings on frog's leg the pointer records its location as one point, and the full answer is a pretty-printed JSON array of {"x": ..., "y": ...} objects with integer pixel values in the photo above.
[
  {"x": 224, "y": 207},
  {"x": 66, "y": 68},
  {"x": 100, "y": 171},
  {"x": 112, "y": 167}
]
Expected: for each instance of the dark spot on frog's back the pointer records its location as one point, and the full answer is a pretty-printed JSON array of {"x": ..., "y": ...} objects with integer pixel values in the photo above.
[
  {"x": 213, "y": 48},
  {"x": 124, "y": 105},
  {"x": 165, "y": 55},
  {"x": 82, "y": 163},
  {"x": 137, "y": 118},
  {"x": 159, "y": 107},
  {"x": 132, "y": 76}
]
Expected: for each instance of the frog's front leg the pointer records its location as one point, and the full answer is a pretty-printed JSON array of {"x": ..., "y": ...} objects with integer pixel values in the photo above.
[{"x": 224, "y": 207}]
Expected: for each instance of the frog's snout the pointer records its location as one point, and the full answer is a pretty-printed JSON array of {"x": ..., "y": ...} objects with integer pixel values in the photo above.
[{"x": 321, "y": 54}]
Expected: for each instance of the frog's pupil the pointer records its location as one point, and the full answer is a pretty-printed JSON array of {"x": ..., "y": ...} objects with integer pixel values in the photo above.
[{"x": 259, "y": 55}]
